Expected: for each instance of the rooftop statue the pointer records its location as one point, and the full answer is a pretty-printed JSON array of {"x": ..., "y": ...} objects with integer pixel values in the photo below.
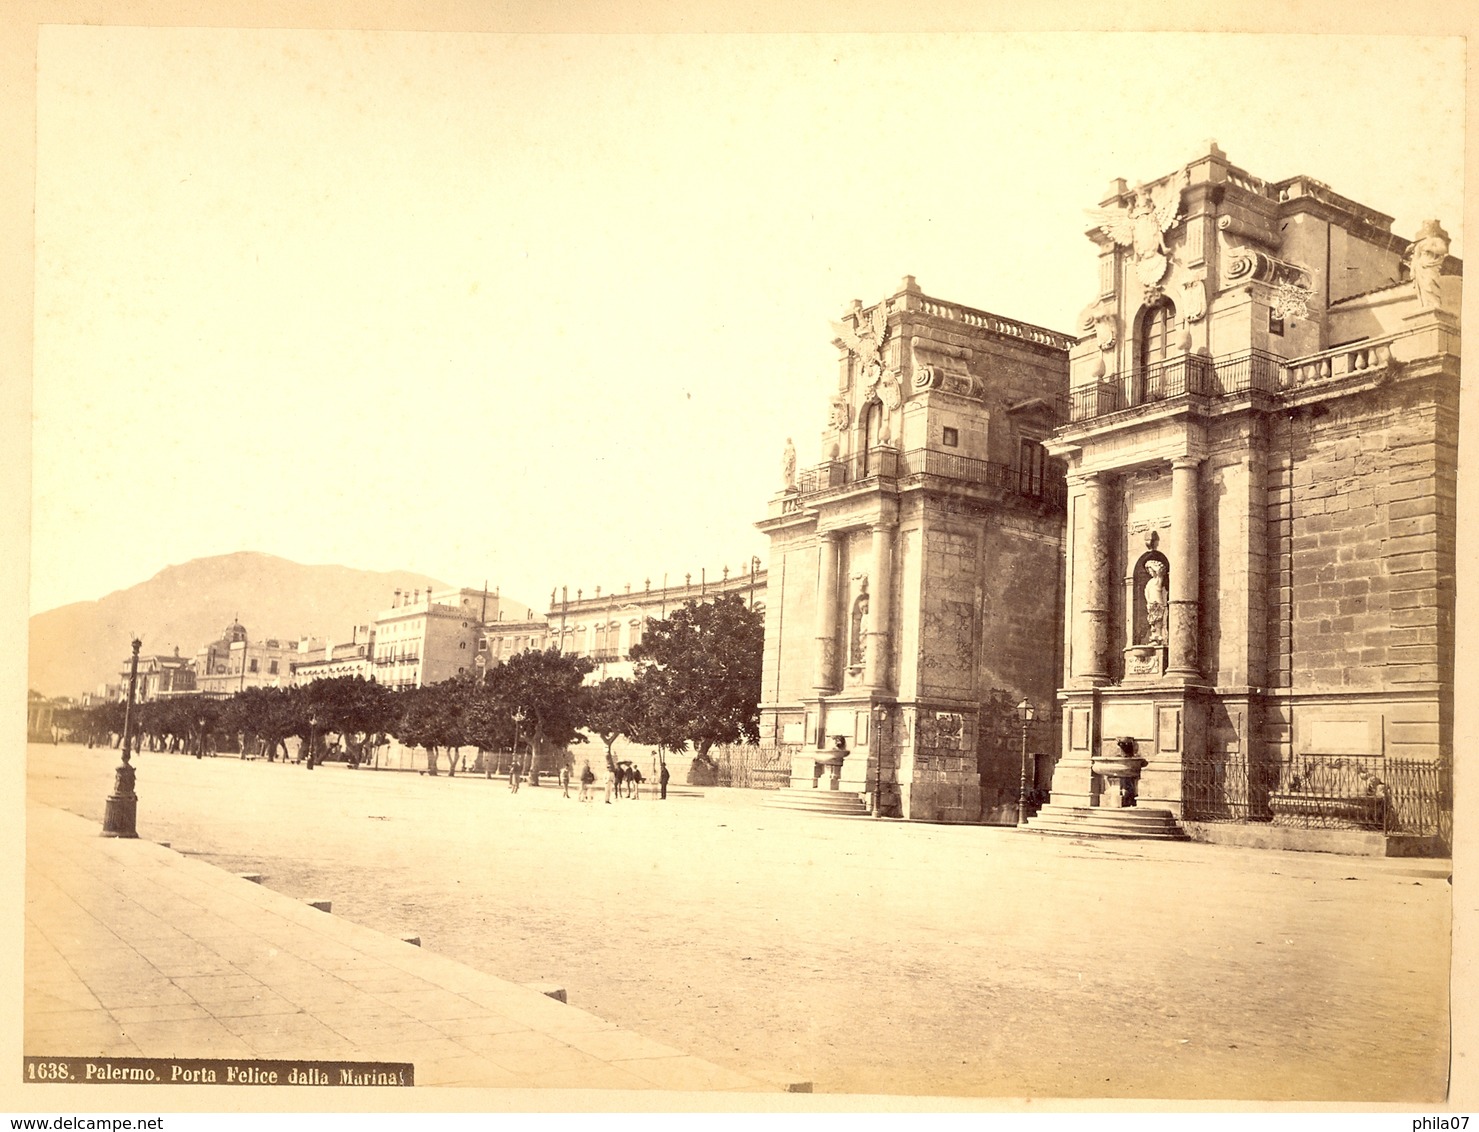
[{"x": 1425, "y": 257}]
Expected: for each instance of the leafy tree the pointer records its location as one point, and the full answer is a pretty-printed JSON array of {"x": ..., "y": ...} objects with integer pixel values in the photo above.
[
  {"x": 488, "y": 720},
  {"x": 613, "y": 708},
  {"x": 433, "y": 717},
  {"x": 698, "y": 672},
  {"x": 273, "y": 714},
  {"x": 546, "y": 690},
  {"x": 350, "y": 706}
]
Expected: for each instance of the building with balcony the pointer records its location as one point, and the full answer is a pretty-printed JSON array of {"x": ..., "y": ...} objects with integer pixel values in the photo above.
[
  {"x": 425, "y": 637},
  {"x": 606, "y": 626},
  {"x": 1261, "y": 455},
  {"x": 918, "y": 566},
  {"x": 160, "y": 676},
  {"x": 353, "y": 657},
  {"x": 235, "y": 662}
]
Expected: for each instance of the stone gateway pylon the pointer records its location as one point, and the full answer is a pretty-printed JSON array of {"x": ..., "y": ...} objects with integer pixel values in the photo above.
[
  {"x": 1261, "y": 455},
  {"x": 915, "y": 584}
]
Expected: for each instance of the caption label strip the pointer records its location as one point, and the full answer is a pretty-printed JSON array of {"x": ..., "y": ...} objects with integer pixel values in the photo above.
[{"x": 215, "y": 1071}]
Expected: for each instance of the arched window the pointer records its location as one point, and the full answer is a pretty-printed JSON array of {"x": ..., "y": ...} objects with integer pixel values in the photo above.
[
  {"x": 1154, "y": 342},
  {"x": 1157, "y": 328}
]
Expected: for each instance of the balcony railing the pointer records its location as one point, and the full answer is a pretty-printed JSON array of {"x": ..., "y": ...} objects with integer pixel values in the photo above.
[
  {"x": 889, "y": 465},
  {"x": 1230, "y": 376},
  {"x": 1191, "y": 374}
]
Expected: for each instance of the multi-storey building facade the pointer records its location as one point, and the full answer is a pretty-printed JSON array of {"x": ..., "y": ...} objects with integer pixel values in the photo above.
[
  {"x": 917, "y": 568},
  {"x": 160, "y": 676},
  {"x": 353, "y": 657},
  {"x": 425, "y": 637},
  {"x": 605, "y": 627},
  {"x": 1261, "y": 454},
  {"x": 236, "y": 662}
]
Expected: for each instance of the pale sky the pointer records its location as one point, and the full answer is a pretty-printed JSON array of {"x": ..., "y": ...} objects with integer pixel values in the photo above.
[{"x": 543, "y": 310}]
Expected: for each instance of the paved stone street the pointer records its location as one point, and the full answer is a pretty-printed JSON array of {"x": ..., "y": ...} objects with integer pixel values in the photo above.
[{"x": 862, "y": 956}]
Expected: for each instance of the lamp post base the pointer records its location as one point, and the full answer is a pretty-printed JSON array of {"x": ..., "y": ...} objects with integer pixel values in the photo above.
[{"x": 120, "y": 816}]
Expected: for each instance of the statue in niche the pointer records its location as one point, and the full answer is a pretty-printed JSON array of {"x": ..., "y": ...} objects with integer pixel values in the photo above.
[
  {"x": 1425, "y": 260},
  {"x": 1155, "y": 602},
  {"x": 857, "y": 653},
  {"x": 788, "y": 466},
  {"x": 1143, "y": 225}
]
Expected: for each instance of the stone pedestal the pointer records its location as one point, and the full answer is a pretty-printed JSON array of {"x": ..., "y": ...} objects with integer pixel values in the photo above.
[{"x": 1119, "y": 777}]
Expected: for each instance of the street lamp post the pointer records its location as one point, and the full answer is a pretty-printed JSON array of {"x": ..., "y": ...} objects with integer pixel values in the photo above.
[
  {"x": 1025, "y": 713},
  {"x": 880, "y": 714},
  {"x": 120, "y": 811},
  {"x": 519, "y": 718}
]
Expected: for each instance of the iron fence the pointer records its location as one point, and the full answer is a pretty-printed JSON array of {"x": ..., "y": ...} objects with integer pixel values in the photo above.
[
  {"x": 1399, "y": 797},
  {"x": 758, "y": 766},
  {"x": 1331, "y": 791},
  {"x": 1228, "y": 787},
  {"x": 1419, "y": 799}
]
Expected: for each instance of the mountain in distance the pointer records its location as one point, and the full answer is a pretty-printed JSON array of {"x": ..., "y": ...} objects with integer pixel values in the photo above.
[{"x": 77, "y": 647}]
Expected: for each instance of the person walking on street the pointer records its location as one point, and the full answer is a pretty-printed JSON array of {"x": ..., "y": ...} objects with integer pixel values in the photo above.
[
  {"x": 565, "y": 781},
  {"x": 663, "y": 781},
  {"x": 587, "y": 779}
]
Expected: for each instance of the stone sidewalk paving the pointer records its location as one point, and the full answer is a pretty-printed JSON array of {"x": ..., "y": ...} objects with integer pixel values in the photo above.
[{"x": 133, "y": 950}]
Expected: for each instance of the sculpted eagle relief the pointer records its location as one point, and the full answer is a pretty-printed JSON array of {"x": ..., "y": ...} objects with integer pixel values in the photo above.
[{"x": 1142, "y": 226}]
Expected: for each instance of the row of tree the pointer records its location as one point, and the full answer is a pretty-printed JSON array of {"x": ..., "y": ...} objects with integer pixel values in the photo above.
[{"x": 696, "y": 683}]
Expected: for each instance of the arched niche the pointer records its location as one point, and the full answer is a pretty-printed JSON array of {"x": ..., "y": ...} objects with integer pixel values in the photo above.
[{"x": 1149, "y": 599}]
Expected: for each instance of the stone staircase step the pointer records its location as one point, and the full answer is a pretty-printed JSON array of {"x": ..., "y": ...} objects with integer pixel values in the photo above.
[
  {"x": 1093, "y": 821},
  {"x": 841, "y": 803}
]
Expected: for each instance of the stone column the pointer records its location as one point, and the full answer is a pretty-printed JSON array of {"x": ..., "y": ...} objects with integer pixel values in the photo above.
[
  {"x": 825, "y": 679},
  {"x": 1091, "y": 584},
  {"x": 1185, "y": 575},
  {"x": 880, "y": 608}
]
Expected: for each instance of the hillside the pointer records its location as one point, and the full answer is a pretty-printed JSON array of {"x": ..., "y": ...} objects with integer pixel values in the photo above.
[{"x": 76, "y": 647}]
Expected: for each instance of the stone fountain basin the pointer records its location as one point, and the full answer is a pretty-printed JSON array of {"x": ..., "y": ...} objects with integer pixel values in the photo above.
[{"x": 1128, "y": 767}]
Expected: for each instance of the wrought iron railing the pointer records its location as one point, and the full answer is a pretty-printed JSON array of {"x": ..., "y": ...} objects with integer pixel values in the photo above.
[
  {"x": 1401, "y": 797},
  {"x": 1190, "y": 374},
  {"x": 1227, "y": 787},
  {"x": 1405, "y": 797},
  {"x": 1419, "y": 798},
  {"x": 891, "y": 465},
  {"x": 1254, "y": 371},
  {"x": 754, "y": 766}
]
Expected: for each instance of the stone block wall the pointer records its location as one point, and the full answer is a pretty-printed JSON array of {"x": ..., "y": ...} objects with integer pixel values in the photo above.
[
  {"x": 790, "y": 620},
  {"x": 1354, "y": 509},
  {"x": 1361, "y": 525}
]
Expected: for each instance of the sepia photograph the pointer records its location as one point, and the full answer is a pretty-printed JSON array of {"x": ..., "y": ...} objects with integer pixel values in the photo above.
[{"x": 631, "y": 563}]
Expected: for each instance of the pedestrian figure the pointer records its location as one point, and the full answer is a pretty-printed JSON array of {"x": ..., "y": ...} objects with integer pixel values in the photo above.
[
  {"x": 587, "y": 779},
  {"x": 565, "y": 781},
  {"x": 663, "y": 780},
  {"x": 634, "y": 776},
  {"x": 611, "y": 779}
]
